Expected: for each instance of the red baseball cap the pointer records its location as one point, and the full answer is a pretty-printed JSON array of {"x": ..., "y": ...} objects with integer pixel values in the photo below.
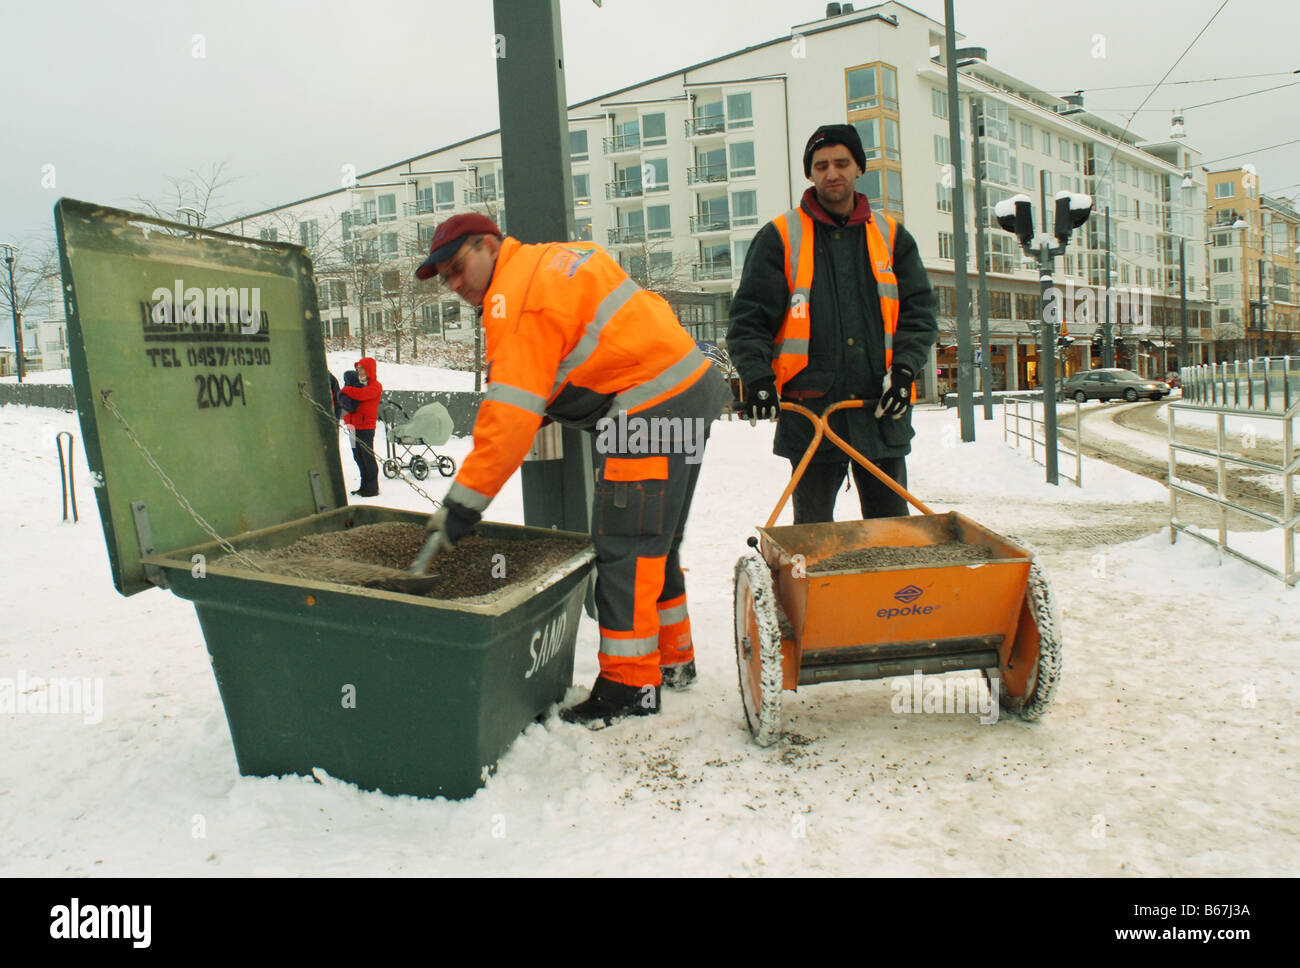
[{"x": 448, "y": 237}]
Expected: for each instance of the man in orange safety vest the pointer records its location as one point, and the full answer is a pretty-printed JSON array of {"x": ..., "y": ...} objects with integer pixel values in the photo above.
[{"x": 571, "y": 338}]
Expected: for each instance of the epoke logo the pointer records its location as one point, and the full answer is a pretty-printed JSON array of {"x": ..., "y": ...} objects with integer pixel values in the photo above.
[{"x": 907, "y": 595}]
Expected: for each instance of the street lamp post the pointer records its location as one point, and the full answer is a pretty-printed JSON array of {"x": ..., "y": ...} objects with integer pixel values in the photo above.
[{"x": 11, "y": 251}]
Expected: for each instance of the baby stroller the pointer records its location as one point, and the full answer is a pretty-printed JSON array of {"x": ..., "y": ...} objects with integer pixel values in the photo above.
[{"x": 411, "y": 439}]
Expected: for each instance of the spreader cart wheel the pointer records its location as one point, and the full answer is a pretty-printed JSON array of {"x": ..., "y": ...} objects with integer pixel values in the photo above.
[
  {"x": 1029, "y": 682},
  {"x": 758, "y": 649}
]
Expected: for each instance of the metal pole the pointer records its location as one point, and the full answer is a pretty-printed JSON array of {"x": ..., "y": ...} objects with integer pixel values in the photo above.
[
  {"x": 986, "y": 346},
  {"x": 537, "y": 180},
  {"x": 13, "y": 307},
  {"x": 1183, "y": 358},
  {"x": 1108, "y": 333},
  {"x": 961, "y": 286},
  {"x": 1047, "y": 363},
  {"x": 1259, "y": 328}
]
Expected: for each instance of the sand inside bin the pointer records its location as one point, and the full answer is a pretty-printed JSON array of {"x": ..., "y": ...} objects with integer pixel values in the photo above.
[{"x": 477, "y": 566}]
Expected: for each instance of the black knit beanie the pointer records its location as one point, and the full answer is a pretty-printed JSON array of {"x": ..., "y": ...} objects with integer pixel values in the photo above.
[{"x": 834, "y": 134}]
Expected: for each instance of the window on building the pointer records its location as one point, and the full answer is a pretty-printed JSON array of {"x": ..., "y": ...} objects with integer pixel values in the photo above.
[
  {"x": 1026, "y": 306},
  {"x": 870, "y": 185},
  {"x": 655, "y": 174},
  {"x": 1027, "y": 175},
  {"x": 869, "y": 132},
  {"x": 1223, "y": 265},
  {"x": 938, "y": 103},
  {"x": 582, "y": 230},
  {"x": 740, "y": 110},
  {"x": 1078, "y": 158},
  {"x": 744, "y": 208},
  {"x": 944, "y": 198},
  {"x": 891, "y": 139},
  {"x": 945, "y": 245},
  {"x": 739, "y": 252},
  {"x": 658, "y": 221},
  {"x": 1064, "y": 147},
  {"x": 1147, "y": 181},
  {"x": 863, "y": 89},
  {"x": 387, "y": 208},
  {"x": 388, "y": 243},
  {"x": 654, "y": 129},
  {"x": 267, "y": 235},
  {"x": 661, "y": 267},
  {"x": 999, "y": 304},
  {"x": 1123, "y": 240},
  {"x": 1026, "y": 135},
  {"x": 945, "y": 300},
  {"x": 742, "y": 158},
  {"x": 308, "y": 233},
  {"x": 444, "y": 195},
  {"x": 1047, "y": 143},
  {"x": 894, "y": 189},
  {"x": 581, "y": 189},
  {"x": 889, "y": 87},
  {"x": 1121, "y": 172},
  {"x": 577, "y": 145},
  {"x": 942, "y": 150},
  {"x": 1225, "y": 190}
]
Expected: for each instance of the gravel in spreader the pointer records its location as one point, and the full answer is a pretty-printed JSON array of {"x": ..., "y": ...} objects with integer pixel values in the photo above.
[
  {"x": 923, "y": 556},
  {"x": 471, "y": 569}
]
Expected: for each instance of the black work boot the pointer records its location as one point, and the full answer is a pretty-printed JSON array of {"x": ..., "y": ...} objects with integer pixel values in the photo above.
[
  {"x": 610, "y": 701},
  {"x": 679, "y": 676}
]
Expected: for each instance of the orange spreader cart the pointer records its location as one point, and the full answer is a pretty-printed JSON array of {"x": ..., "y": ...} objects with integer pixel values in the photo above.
[{"x": 929, "y": 593}]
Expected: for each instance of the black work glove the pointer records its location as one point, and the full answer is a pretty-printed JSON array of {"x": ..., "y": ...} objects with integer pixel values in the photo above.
[
  {"x": 452, "y": 521},
  {"x": 895, "y": 392},
  {"x": 761, "y": 401}
]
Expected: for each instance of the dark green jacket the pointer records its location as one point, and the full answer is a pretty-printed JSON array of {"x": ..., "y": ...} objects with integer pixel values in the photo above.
[{"x": 846, "y": 356}]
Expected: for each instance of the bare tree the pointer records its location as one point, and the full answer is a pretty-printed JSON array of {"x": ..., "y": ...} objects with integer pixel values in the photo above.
[
  {"x": 35, "y": 269},
  {"x": 196, "y": 190}
]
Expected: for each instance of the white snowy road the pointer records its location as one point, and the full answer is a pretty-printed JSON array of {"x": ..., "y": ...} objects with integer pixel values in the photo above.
[{"x": 1170, "y": 750}]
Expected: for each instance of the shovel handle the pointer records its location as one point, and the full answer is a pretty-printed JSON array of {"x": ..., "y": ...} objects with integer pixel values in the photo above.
[
  {"x": 822, "y": 428},
  {"x": 432, "y": 545}
]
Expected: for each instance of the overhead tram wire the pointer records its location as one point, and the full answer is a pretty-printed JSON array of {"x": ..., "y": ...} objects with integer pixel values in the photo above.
[
  {"x": 1153, "y": 90},
  {"x": 1203, "y": 104},
  {"x": 1204, "y": 80}
]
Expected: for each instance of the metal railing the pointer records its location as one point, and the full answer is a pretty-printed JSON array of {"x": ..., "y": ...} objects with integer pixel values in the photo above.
[
  {"x": 626, "y": 235},
  {"x": 621, "y": 142},
  {"x": 706, "y": 124},
  {"x": 706, "y": 271},
  {"x": 710, "y": 223},
  {"x": 1029, "y": 399},
  {"x": 706, "y": 174},
  {"x": 1261, "y": 390},
  {"x": 622, "y": 189}
]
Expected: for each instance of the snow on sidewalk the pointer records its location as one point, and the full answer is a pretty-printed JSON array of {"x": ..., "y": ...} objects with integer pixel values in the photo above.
[{"x": 1170, "y": 749}]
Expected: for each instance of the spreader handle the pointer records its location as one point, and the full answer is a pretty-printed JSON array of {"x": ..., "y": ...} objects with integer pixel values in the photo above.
[{"x": 822, "y": 428}]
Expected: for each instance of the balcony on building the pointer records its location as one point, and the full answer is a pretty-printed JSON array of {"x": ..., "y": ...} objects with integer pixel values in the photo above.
[
  {"x": 706, "y": 126},
  {"x": 621, "y": 144},
  {"x": 706, "y": 175},
  {"x": 710, "y": 224},
  {"x": 717, "y": 270},
  {"x": 482, "y": 196},
  {"x": 627, "y": 235},
  {"x": 620, "y": 191},
  {"x": 422, "y": 207}
]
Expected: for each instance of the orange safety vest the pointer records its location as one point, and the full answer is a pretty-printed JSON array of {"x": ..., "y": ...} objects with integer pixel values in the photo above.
[
  {"x": 567, "y": 330},
  {"x": 792, "y": 339}
]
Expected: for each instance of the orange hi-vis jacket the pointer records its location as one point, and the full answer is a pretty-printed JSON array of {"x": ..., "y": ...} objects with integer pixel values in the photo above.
[
  {"x": 571, "y": 337},
  {"x": 797, "y": 232}
]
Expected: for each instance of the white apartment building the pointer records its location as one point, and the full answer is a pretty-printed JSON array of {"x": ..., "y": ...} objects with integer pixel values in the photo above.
[{"x": 676, "y": 174}]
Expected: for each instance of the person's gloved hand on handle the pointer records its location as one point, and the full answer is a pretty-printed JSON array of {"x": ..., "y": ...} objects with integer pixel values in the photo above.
[
  {"x": 895, "y": 392},
  {"x": 449, "y": 524},
  {"x": 760, "y": 400}
]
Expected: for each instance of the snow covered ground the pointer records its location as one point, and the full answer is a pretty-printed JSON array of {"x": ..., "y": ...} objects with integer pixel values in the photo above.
[{"x": 1170, "y": 749}]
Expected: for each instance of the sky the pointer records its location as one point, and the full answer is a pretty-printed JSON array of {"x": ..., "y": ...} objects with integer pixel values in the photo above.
[{"x": 104, "y": 102}]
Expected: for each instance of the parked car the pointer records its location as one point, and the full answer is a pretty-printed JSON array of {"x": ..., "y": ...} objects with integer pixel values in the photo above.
[{"x": 1112, "y": 384}]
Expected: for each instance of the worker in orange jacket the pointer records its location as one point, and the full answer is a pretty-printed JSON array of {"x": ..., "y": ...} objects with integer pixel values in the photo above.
[{"x": 571, "y": 338}]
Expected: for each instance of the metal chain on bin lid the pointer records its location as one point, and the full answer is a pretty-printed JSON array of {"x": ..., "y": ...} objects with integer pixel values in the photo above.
[
  {"x": 167, "y": 482},
  {"x": 302, "y": 392}
]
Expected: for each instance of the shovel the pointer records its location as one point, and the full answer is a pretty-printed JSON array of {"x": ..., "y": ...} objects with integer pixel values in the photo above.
[{"x": 415, "y": 581}]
